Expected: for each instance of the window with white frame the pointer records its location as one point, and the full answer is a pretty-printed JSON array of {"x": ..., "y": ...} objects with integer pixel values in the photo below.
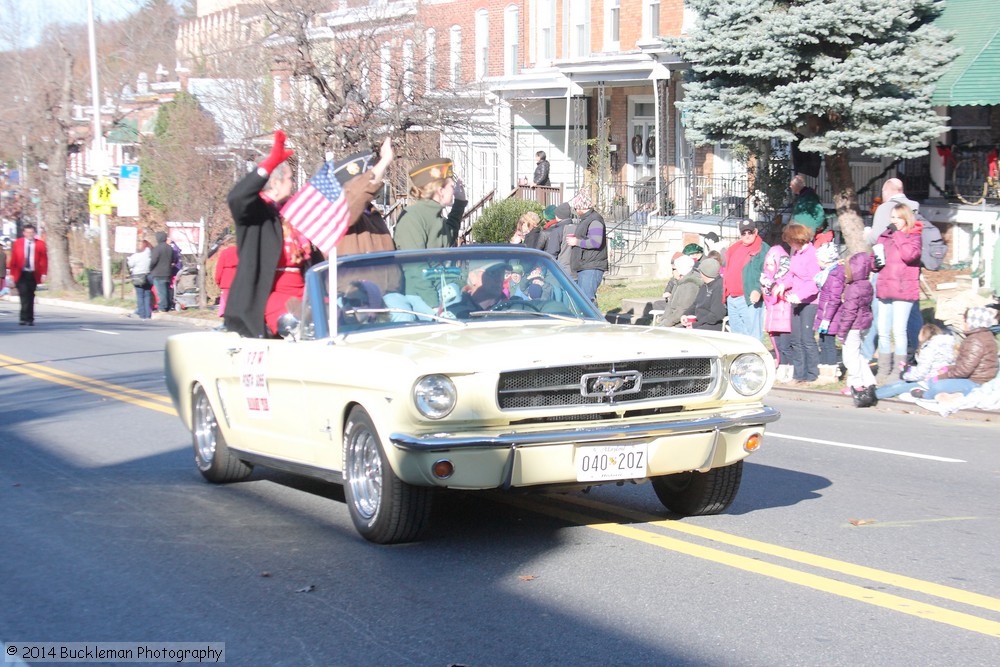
[
  {"x": 651, "y": 19},
  {"x": 482, "y": 43},
  {"x": 385, "y": 70},
  {"x": 612, "y": 25},
  {"x": 430, "y": 59},
  {"x": 579, "y": 27},
  {"x": 545, "y": 27},
  {"x": 408, "y": 70},
  {"x": 455, "y": 48},
  {"x": 511, "y": 63}
]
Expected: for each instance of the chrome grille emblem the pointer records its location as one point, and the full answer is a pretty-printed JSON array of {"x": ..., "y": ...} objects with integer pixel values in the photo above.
[{"x": 610, "y": 385}]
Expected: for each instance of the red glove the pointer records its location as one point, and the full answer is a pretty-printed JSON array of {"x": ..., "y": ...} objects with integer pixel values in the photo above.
[{"x": 278, "y": 153}]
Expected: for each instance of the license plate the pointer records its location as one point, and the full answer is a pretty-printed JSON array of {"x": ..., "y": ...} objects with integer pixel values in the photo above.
[{"x": 605, "y": 462}]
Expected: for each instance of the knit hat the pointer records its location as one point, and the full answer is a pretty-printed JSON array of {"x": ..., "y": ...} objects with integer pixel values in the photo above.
[
  {"x": 980, "y": 317},
  {"x": 710, "y": 268},
  {"x": 827, "y": 253},
  {"x": 693, "y": 249},
  {"x": 549, "y": 213},
  {"x": 684, "y": 264},
  {"x": 581, "y": 202},
  {"x": 563, "y": 211}
]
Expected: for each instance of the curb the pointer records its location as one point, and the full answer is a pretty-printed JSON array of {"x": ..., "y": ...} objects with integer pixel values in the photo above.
[
  {"x": 884, "y": 405},
  {"x": 125, "y": 312}
]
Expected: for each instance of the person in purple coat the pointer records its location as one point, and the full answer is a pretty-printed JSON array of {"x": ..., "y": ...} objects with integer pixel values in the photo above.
[
  {"x": 897, "y": 261},
  {"x": 802, "y": 293},
  {"x": 830, "y": 281},
  {"x": 851, "y": 323}
]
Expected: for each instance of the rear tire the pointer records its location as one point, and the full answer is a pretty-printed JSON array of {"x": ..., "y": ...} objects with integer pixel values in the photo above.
[
  {"x": 384, "y": 509},
  {"x": 213, "y": 458},
  {"x": 699, "y": 493}
]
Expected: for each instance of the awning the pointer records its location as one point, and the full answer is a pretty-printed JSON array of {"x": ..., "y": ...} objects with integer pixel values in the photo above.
[{"x": 973, "y": 78}]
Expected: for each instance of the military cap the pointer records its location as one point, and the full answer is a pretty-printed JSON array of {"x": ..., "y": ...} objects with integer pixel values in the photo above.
[
  {"x": 352, "y": 165},
  {"x": 438, "y": 168}
]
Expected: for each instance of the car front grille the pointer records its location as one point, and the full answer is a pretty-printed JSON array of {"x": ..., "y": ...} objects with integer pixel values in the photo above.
[{"x": 605, "y": 384}]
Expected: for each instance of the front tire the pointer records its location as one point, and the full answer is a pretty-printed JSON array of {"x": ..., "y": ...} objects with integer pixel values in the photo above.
[
  {"x": 699, "y": 493},
  {"x": 211, "y": 454},
  {"x": 384, "y": 509}
]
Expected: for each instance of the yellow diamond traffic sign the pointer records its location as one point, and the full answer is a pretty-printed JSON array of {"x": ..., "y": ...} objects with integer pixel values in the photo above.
[{"x": 102, "y": 196}]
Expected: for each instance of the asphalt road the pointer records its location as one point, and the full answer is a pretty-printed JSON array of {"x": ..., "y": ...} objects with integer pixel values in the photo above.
[{"x": 860, "y": 537}]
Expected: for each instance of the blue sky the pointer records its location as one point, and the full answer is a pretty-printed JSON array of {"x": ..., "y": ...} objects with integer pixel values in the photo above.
[{"x": 37, "y": 13}]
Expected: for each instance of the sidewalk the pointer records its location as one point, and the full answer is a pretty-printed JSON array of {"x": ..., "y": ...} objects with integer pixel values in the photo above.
[
  {"x": 790, "y": 393},
  {"x": 884, "y": 405}
]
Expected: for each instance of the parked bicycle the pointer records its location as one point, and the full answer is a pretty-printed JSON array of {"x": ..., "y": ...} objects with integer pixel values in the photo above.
[{"x": 975, "y": 175}]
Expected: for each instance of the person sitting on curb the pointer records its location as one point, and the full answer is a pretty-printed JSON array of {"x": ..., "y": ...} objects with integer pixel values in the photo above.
[
  {"x": 976, "y": 362},
  {"x": 708, "y": 310},
  {"x": 934, "y": 356}
]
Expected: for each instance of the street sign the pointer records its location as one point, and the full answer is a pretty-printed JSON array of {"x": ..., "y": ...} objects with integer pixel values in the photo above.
[
  {"x": 128, "y": 191},
  {"x": 126, "y": 239},
  {"x": 102, "y": 196}
]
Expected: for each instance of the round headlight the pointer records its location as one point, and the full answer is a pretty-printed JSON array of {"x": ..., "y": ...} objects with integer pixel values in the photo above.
[
  {"x": 748, "y": 374},
  {"x": 435, "y": 396}
]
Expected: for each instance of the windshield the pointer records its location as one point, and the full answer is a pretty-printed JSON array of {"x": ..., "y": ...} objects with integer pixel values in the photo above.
[{"x": 454, "y": 285}]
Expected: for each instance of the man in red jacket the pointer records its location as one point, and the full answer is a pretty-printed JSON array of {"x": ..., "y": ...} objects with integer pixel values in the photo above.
[{"x": 29, "y": 264}]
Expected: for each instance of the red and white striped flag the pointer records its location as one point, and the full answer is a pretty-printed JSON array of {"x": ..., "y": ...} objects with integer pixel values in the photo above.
[{"x": 319, "y": 210}]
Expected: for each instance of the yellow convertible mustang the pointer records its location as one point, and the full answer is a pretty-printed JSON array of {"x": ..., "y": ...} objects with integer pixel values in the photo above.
[{"x": 481, "y": 367}]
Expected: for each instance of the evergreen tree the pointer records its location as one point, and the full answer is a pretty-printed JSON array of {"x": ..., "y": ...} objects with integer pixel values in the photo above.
[{"x": 846, "y": 74}]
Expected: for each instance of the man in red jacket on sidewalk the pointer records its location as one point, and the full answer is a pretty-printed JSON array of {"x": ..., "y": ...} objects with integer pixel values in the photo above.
[{"x": 29, "y": 264}]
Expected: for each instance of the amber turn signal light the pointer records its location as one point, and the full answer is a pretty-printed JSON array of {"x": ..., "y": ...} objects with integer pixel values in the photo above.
[
  {"x": 443, "y": 469},
  {"x": 752, "y": 443}
]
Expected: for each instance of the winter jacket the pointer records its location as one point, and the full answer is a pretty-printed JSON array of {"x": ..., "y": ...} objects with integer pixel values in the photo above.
[
  {"x": 778, "y": 312},
  {"x": 708, "y": 307},
  {"x": 802, "y": 270},
  {"x": 828, "y": 302},
  {"x": 883, "y": 216},
  {"x": 855, "y": 311},
  {"x": 225, "y": 267},
  {"x": 748, "y": 261},
  {"x": 977, "y": 357},
  {"x": 541, "y": 175},
  {"x": 808, "y": 210},
  {"x": 161, "y": 260},
  {"x": 682, "y": 298},
  {"x": 138, "y": 262},
  {"x": 421, "y": 226},
  {"x": 933, "y": 357},
  {"x": 900, "y": 277},
  {"x": 592, "y": 253}
]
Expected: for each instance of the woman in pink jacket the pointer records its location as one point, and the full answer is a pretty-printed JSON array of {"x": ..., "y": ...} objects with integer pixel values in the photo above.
[
  {"x": 898, "y": 286},
  {"x": 801, "y": 293}
]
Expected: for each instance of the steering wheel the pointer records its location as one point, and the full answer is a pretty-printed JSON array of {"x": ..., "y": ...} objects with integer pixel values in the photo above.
[{"x": 514, "y": 304}]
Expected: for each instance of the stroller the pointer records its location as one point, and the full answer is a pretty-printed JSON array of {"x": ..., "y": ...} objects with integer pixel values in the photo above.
[{"x": 186, "y": 288}]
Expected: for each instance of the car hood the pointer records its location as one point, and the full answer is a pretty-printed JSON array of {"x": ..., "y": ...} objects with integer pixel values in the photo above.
[{"x": 490, "y": 346}]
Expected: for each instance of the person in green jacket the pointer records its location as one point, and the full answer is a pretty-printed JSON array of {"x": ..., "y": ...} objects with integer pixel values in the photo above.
[
  {"x": 423, "y": 224},
  {"x": 806, "y": 209}
]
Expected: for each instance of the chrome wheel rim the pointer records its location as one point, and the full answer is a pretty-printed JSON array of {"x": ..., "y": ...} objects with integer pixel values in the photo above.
[
  {"x": 205, "y": 429},
  {"x": 365, "y": 473}
]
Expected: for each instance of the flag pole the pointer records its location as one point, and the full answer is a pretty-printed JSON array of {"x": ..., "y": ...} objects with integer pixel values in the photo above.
[{"x": 332, "y": 291}]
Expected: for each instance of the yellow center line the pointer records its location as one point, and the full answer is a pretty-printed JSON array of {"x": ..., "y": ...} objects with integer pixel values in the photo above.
[
  {"x": 851, "y": 591},
  {"x": 137, "y": 397},
  {"x": 774, "y": 571},
  {"x": 804, "y": 557}
]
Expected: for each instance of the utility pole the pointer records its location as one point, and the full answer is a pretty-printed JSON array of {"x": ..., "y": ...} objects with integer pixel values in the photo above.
[{"x": 100, "y": 163}]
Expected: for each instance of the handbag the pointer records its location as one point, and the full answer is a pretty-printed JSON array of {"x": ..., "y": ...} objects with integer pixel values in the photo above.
[{"x": 139, "y": 280}]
